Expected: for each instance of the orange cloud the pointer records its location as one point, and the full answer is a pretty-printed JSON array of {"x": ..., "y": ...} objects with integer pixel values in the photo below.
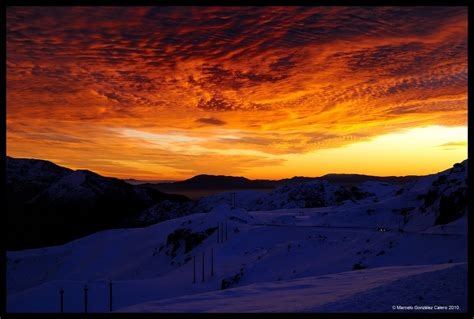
[{"x": 225, "y": 89}]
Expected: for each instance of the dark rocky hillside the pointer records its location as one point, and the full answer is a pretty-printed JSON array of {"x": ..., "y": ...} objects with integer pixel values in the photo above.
[{"x": 50, "y": 205}]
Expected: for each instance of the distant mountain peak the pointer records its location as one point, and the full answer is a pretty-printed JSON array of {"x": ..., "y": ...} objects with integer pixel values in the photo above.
[{"x": 216, "y": 177}]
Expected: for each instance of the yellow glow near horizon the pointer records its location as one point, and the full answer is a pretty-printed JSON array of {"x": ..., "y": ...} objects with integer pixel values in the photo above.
[{"x": 418, "y": 151}]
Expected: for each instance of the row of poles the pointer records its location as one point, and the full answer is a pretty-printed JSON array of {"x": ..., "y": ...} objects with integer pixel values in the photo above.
[
  {"x": 86, "y": 290},
  {"x": 221, "y": 237}
]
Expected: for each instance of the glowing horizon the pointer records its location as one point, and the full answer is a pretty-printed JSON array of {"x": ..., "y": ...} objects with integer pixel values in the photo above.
[{"x": 166, "y": 93}]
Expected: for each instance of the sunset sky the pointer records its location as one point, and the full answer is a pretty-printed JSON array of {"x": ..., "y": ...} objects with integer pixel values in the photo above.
[{"x": 268, "y": 92}]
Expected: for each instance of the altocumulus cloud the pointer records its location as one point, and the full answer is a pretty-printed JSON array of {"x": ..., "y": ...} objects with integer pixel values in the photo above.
[{"x": 211, "y": 121}]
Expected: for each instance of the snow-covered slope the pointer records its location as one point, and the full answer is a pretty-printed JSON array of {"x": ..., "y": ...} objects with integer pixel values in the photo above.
[
  {"x": 318, "y": 193},
  {"x": 167, "y": 210},
  {"x": 374, "y": 290},
  {"x": 311, "y": 194},
  {"x": 269, "y": 260},
  {"x": 443, "y": 290}
]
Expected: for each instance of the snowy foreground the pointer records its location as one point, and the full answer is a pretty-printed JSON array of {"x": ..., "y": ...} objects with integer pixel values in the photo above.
[
  {"x": 346, "y": 291},
  {"x": 373, "y": 254}
]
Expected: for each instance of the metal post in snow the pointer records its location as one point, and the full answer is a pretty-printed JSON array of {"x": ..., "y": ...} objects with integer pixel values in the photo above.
[
  {"x": 194, "y": 269},
  {"x": 85, "y": 298},
  {"x": 226, "y": 230},
  {"x": 202, "y": 266},
  {"x": 212, "y": 261},
  {"x": 61, "y": 299},
  {"x": 110, "y": 295}
]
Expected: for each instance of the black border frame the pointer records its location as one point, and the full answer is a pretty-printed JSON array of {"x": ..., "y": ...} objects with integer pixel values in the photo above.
[{"x": 4, "y": 225}]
